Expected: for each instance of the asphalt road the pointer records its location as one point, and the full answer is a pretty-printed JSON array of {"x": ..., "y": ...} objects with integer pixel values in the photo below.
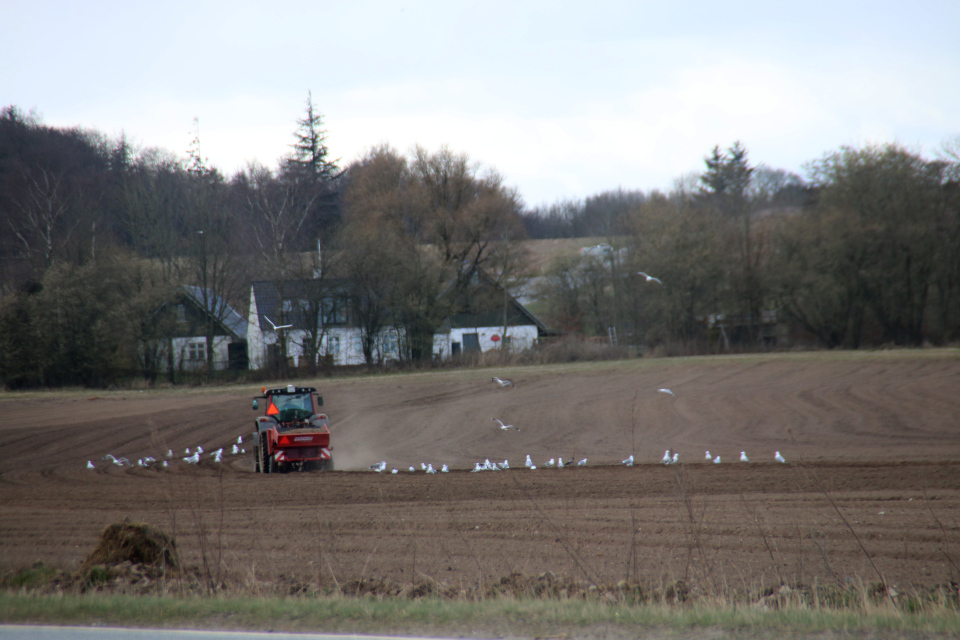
[{"x": 30, "y": 632}]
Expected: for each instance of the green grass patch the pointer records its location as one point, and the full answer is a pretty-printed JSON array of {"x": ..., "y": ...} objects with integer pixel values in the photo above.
[{"x": 491, "y": 617}]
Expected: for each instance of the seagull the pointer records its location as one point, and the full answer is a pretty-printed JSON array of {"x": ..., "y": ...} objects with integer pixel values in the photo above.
[
  {"x": 199, "y": 449},
  {"x": 708, "y": 456},
  {"x": 667, "y": 391},
  {"x": 90, "y": 465},
  {"x": 379, "y": 468},
  {"x": 529, "y": 462},
  {"x": 239, "y": 439},
  {"x": 504, "y": 465},
  {"x": 119, "y": 462},
  {"x": 423, "y": 467},
  {"x": 582, "y": 463},
  {"x": 187, "y": 451},
  {"x": 716, "y": 460},
  {"x": 166, "y": 464},
  {"x": 628, "y": 461},
  {"x": 560, "y": 463},
  {"x": 169, "y": 453},
  {"x": 649, "y": 278},
  {"x": 149, "y": 460},
  {"x": 394, "y": 471},
  {"x": 676, "y": 458},
  {"x": 477, "y": 467},
  {"x": 743, "y": 457},
  {"x": 444, "y": 469},
  {"x": 194, "y": 459},
  {"x": 549, "y": 463},
  {"x": 275, "y": 327},
  {"x": 218, "y": 454},
  {"x": 779, "y": 458},
  {"x": 505, "y": 426},
  {"x": 503, "y": 383},
  {"x": 412, "y": 470},
  {"x": 666, "y": 457},
  {"x": 430, "y": 468},
  {"x": 139, "y": 462},
  {"x": 235, "y": 450},
  {"x": 533, "y": 467}
]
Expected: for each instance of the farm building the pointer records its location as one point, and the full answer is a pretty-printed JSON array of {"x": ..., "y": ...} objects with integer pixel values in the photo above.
[{"x": 318, "y": 319}]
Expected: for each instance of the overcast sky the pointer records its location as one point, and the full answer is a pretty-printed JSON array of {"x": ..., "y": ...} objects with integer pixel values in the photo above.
[{"x": 564, "y": 99}]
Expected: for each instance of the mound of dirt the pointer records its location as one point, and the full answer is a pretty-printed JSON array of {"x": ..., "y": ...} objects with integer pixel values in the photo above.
[{"x": 137, "y": 543}]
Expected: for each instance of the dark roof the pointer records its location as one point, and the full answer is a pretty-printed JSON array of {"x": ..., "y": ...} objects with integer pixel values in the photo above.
[
  {"x": 217, "y": 307},
  {"x": 268, "y": 296}
]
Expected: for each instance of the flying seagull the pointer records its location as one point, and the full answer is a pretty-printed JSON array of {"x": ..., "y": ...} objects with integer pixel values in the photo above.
[
  {"x": 779, "y": 458},
  {"x": 503, "y": 383},
  {"x": 743, "y": 457},
  {"x": 667, "y": 391},
  {"x": 194, "y": 459},
  {"x": 649, "y": 278},
  {"x": 505, "y": 426},
  {"x": 275, "y": 327}
]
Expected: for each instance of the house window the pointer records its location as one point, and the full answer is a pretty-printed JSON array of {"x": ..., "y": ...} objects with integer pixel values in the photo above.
[
  {"x": 196, "y": 351},
  {"x": 334, "y": 310},
  {"x": 181, "y": 314},
  {"x": 333, "y": 346}
]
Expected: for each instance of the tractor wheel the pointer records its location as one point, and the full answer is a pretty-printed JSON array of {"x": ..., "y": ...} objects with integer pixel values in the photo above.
[
  {"x": 266, "y": 460},
  {"x": 328, "y": 464},
  {"x": 256, "y": 460}
]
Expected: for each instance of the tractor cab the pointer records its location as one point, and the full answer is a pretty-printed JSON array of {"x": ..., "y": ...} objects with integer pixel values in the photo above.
[{"x": 292, "y": 406}]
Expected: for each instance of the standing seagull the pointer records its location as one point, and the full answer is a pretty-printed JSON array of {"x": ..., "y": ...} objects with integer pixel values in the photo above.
[
  {"x": 708, "y": 456},
  {"x": 628, "y": 461},
  {"x": 779, "y": 458},
  {"x": 275, "y": 327},
  {"x": 529, "y": 462},
  {"x": 743, "y": 457},
  {"x": 503, "y": 383},
  {"x": 90, "y": 464},
  {"x": 650, "y": 278},
  {"x": 716, "y": 460},
  {"x": 582, "y": 463},
  {"x": 666, "y": 457},
  {"x": 505, "y": 426}
]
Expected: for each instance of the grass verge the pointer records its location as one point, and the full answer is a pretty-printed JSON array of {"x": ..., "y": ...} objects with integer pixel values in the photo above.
[{"x": 488, "y": 618}]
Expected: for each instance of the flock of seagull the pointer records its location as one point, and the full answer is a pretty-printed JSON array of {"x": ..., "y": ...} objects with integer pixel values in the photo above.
[
  {"x": 189, "y": 458},
  {"x": 558, "y": 462}
]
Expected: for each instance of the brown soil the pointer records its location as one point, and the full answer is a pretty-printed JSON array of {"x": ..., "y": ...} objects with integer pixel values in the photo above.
[{"x": 872, "y": 443}]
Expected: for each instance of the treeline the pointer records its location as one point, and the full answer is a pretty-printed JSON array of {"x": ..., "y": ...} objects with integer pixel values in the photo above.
[
  {"x": 866, "y": 252},
  {"x": 96, "y": 236}
]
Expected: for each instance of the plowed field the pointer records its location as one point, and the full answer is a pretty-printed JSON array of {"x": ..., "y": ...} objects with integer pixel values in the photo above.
[{"x": 872, "y": 443}]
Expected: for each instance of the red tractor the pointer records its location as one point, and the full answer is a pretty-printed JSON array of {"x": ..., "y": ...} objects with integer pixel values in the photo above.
[{"x": 293, "y": 435}]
